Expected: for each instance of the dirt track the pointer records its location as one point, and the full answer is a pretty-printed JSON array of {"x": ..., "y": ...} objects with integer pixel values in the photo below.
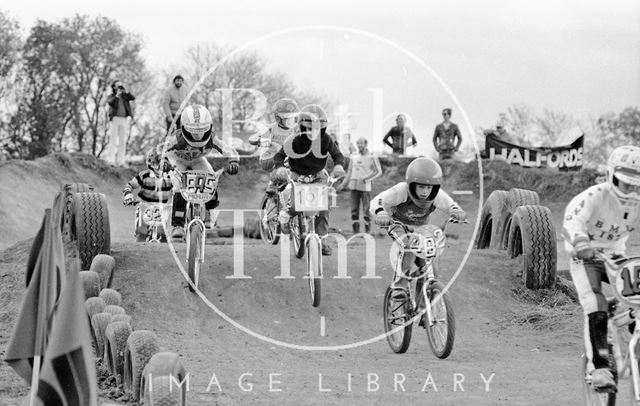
[{"x": 526, "y": 364}]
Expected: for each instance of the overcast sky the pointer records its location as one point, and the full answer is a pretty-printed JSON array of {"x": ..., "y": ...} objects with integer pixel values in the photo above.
[{"x": 580, "y": 57}]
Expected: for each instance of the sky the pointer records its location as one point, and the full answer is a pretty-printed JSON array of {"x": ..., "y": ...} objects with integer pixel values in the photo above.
[{"x": 416, "y": 57}]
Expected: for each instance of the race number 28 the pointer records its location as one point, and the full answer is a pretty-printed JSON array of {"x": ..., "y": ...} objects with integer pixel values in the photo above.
[{"x": 631, "y": 281}]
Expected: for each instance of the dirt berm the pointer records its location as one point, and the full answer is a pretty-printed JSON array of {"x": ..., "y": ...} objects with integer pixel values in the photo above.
[{"x": 512, "y": 347}]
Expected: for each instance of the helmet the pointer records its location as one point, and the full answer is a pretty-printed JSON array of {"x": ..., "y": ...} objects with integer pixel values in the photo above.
[
  {"x": 152, "y": 159},
  {"x": 286, "y": 112},
  {"x": 424, "y": 171},
  {"x": 197, "y": 125},
  {"x": 623, "y": 173},
  {"x": 313, "y": 121}
]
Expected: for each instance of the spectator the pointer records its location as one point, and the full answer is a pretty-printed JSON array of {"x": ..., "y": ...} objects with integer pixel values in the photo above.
[
  {"x": 172, "y": 100},
  {"x": 363, "y": 168},
  {"x": 346, "y": 146},
  {"x": 447, "y": 137},
  {"x": 121, "y": 113},
  {"x": 401, "y": 136}
]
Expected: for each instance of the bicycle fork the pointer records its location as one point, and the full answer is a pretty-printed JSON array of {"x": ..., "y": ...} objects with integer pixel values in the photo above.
[{"x": 191, "y": 224}]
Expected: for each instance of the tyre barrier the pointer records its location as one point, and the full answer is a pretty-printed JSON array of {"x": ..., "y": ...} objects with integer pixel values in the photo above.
[
  {"x": 91, "y": 222},
  {"x": 116, "y": 335},
  {"x": 532, "y": 235},
  {"x": 90, "y": 283},
  {"x": 67, "y": 227},
  {"x": 516, "y": 198},
  {"x": 252, "y": 228},
  {"x": 492, "y": 221},
  {"x": 163, "y": 370},
  {"x": 104, "y": 265},
  {"x": 515, "y": 221},
  {"x": 141, "y": 346},
  {"x": 111, "y": 297},
  {"x": 99, "y": 323}
]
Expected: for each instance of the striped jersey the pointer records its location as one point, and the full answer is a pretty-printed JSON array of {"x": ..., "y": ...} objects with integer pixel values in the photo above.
[{"x": 152, "y": 187}]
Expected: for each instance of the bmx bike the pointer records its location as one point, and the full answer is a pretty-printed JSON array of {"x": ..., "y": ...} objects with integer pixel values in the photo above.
[
  {"x": 430, "y": 304},
  {"x": 197, "y": 188},
  {"x": 308, "y": 199},
  {"x": 150, "y": 220},
  {"x": 622, "y": 334}
]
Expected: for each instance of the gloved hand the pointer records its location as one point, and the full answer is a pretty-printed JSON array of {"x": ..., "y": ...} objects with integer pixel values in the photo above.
[
  {"x": 383, "y": 219},
  {"x": 127, "y": 199},
  {"x": 458, "y": 215},
  {"x": 583, "y": 249},
  {"x": 232, "y": 168},
  {"x": 338, "y": 171},
  {"x": 166, "y": 166},
  {"x": 254, "y": 139}
]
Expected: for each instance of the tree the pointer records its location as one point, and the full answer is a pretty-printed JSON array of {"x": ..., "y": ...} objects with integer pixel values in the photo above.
[
  {"x": 66, "y": 70},
  {"x": 219, "y": 77}
]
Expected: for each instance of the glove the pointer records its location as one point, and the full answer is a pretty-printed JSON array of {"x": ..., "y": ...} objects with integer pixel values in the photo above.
[
  {"x": 127, "y": 199},
  {"x": 232, "y": 168},
  {"x": 583, "y": 249},
  {"x": 338, "y": 171},
  {"x": 166, "y": 166},
  {"x": 254, "y": 140},
  {"x": 458, "y": 215},
  {"x": 383, "y": 219}
]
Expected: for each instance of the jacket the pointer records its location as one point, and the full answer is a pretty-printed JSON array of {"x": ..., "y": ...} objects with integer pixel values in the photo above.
[{"x": 308, "y": 157}]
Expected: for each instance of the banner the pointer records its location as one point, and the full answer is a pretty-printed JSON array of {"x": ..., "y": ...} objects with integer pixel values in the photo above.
[{"x": 568, "y": 157}]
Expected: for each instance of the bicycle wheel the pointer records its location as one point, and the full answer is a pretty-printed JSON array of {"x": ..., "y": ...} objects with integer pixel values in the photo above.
[
  {"x": 396, "y": 313},
  {"x": 194, "y": 253},
  {"x": 269, "y": 222},
  {"x": 594, "y": 397},
  {"x": 314, "y": 270},
  {"x": 297, "y": 234},
  {"x": 441, "y": 329}
]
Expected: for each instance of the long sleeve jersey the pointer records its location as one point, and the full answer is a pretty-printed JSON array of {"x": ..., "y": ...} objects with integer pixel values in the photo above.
[
  {"x": 397, "y": 202},
  {"x": 183, "y": 150},
  {"x": 152, "y": 187},
  {"x": 308, "y": 157},
  {"x": 598, "y": 215}
]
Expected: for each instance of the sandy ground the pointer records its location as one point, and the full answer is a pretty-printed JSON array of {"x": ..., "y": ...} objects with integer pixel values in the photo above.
[{"x": 497, "y": 357}]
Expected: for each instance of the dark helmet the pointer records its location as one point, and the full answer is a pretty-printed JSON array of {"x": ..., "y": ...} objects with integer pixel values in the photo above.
[
  {"x": 312, "y": 120},
  {"x": 424, "y": 171}
]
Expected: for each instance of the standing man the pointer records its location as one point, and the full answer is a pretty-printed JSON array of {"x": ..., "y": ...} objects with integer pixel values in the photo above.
[
  {"x": 401, "y": 136},
  {"x": 121, "y": 112},
  {"x": 172, "y": 100},
  {"x": 363, "y": 168},
  {"x": 446, "y": 137}
]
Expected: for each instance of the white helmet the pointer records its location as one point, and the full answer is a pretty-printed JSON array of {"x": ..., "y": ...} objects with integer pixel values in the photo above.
[
  {"x": 623, "y": 173},
  {"x": 197, "y": 125},
  {"x": 286, "y": 113}
]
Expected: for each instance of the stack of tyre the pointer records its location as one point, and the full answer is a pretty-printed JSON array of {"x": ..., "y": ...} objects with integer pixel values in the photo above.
[
  {"x": 514, "y": 220},
  {"x": 132, "y": 357}
]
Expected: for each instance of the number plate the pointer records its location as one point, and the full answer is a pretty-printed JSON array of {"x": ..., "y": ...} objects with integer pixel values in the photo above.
[
  {"x": 310, "y": 197},
  {"x": 628, "y": 281},
  {"x": 198, "y": 186}
]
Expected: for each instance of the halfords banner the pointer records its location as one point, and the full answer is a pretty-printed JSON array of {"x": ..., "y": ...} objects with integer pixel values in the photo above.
[{"x": 568, "y": 157}]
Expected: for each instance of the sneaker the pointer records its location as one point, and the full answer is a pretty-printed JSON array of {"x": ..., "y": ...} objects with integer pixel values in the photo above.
[
  {"x": 177, "y": 232},
  {"x": 208, "y": 224},
  {"x": 602, "y": 380},
  {"x": 326, "y": 249}
]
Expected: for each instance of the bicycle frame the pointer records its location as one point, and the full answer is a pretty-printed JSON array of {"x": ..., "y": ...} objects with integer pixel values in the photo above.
[{"x": 625, "y": 362}]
